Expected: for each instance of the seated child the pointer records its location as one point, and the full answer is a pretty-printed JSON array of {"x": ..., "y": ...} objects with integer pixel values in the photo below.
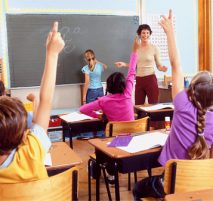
[
  {"x": 22, "y": 151},
  {"x": 191, "y": 132}
]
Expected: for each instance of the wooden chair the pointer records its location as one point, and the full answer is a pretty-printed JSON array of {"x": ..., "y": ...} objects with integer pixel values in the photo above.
[
  {"x": 188, "y": 175},
  {"x": 114, "y": 128},
  {"x": 63, "y": 186}
]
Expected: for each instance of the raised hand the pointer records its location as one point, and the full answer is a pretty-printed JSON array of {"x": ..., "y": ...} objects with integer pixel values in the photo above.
[
  {"x": 166, "y": 22},
  {"x": 54, "y": 42}
]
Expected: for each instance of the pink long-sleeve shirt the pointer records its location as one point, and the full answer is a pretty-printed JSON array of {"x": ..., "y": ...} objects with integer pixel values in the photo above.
[{"x": 117, "y": 107}]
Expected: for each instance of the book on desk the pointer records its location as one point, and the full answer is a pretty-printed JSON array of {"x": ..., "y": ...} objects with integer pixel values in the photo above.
[
  {"x": 75, "y": 116},
  {"x": 158, "y": 107},
  {"x": 145, "y": 142}
]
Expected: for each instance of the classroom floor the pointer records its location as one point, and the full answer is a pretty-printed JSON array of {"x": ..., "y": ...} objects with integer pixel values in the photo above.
[{"x": 84, "y": 149}]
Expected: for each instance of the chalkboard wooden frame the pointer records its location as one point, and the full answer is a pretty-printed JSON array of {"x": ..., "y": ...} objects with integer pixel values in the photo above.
[{"x": 110, "y": 36}]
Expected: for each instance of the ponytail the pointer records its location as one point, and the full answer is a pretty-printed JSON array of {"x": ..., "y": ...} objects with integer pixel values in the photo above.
[{"x": 199, "y": 150}]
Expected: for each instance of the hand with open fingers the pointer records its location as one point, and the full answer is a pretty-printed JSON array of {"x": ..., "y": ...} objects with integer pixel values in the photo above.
[
  {"x": 136, "y": 44},
  {"x": 54, "y": 42},
  {"x": 120, "y": 64},
  {"x": 166, "y": 22}
]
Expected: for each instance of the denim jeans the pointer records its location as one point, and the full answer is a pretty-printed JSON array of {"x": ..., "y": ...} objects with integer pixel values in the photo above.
[{"x": 93, "y": 94}]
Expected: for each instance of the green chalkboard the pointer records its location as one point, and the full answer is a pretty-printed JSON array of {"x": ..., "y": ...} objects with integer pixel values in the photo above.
[{"x": 110, "y": 37}]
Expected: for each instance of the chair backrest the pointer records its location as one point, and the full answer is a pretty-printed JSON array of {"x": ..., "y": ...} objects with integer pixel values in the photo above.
[
  {"x": 63, "y": 186},
  {"x": 114, "y": 128},
  {"x": 188, "y": 175}
]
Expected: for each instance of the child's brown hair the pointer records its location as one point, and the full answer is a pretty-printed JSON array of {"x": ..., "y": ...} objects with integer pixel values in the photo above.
[
  {"x": 200, "y": 93},
  {"x": 13, "y": 123},
  {"x": 2, "y": 88}
]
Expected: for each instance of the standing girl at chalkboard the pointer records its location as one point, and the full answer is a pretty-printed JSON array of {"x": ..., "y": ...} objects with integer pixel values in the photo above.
[
  {"x": 93, "y": 70},
  {"x": 117, "y": 105}
]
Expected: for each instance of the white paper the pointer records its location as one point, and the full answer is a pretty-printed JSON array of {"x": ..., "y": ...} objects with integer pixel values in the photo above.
[
  {"x": 158, "y": 106},
  {"x": 145, "y": 141},
  {"x": 48, "y": 159},
  {"x": 75, "y": 116}
]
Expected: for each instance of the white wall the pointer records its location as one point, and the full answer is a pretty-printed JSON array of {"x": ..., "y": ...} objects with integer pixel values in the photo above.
[{"x": 66, "y": 96}]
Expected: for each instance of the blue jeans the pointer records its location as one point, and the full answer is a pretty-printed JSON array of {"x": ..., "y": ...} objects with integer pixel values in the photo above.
[{"x": 93, "y": 94}]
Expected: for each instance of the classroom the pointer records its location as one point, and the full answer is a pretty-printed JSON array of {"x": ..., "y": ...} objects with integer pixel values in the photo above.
[{"x": 108, "y": 28}]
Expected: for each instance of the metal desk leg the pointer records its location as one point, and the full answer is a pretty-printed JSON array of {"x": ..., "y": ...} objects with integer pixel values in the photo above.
[
  {"x": 70, "y": 136},
  {"x": 63, "y": 132},
  {"x": 117, "y": 191},
  {"x": 98, "y": 171}
]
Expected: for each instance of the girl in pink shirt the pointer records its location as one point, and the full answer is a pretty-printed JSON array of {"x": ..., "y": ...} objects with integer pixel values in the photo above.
[{"x": 117, "y": 105}]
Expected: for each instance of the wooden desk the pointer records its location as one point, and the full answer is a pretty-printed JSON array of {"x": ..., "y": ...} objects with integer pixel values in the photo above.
[
  {"x": 155, "y": 116},
  {"x": 71, "y": 129},
  {"x": 202, "y": 195},
  {"x": 123, "y": 161},
  {"x": 63, "y": 157}
]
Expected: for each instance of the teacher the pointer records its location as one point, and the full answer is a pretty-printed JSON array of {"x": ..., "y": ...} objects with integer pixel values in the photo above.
[{"x": 148, "y": 57}]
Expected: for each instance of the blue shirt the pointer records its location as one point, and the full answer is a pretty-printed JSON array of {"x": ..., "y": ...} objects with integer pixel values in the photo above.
[{"x": 95, "y": 75}]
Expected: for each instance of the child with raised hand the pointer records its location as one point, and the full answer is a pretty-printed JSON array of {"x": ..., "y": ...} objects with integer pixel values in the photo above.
[
  {"x": 191, "y": 133},
  {"x": 117, "y": 104},
  {"x": 22, "y": 151}
]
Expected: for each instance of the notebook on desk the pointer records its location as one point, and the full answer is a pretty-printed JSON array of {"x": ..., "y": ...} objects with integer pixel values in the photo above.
[
  {"x": 121, "y": 140},
  {"x": 75, "y": 116},
  {"x": 145, "y": 142},
  {"x": 158, "y": 106}
]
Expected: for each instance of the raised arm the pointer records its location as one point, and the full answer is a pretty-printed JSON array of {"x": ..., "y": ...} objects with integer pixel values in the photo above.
[
  {"x": 132, "y": 68},
  {"x": 177, "y": 76},
  {"x": 54, "y": 45}
]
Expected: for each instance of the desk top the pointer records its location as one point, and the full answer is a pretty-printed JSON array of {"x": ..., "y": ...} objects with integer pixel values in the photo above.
[
  {"x": 113, "y": 152},
  {"x": 201, "y": 195},
  {"x": 138, "y": 107},
  {"x": 63, "y": 156}
]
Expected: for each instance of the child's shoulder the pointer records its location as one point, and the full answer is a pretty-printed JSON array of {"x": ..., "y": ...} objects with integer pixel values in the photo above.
[{"x": 85, "y": 68}]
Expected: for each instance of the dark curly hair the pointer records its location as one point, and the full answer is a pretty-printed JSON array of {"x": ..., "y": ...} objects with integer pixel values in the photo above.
[{"x": 144, "y": 27}]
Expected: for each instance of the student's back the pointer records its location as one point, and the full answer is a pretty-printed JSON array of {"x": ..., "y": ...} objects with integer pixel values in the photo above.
[
  {"x": 192, "y": 128},
  {"x": 22, "y": 151},
  {"x": 184, "y": 129},
  {"x": 117, "y": 105}
]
